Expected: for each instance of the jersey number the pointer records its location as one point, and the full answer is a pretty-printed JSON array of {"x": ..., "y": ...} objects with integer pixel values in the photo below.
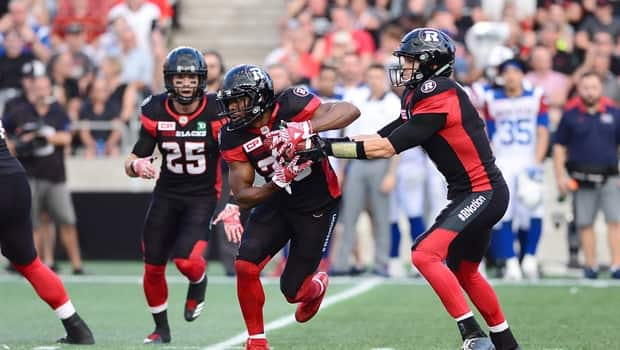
[
  {"x": 511, "y": 131},
  {"x": 193, "y": 162},
  {"x": 2, "y": 135}
]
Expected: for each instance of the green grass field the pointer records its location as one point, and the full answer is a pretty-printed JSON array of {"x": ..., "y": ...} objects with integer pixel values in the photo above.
[{"x": 385, "y": 314}]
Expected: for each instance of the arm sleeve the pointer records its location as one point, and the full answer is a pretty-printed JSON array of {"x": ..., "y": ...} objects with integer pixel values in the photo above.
[
  {"x": 416, "y": 131},
  {"x": 386, "y": 130},
  {"x": 145, "y": 145}
]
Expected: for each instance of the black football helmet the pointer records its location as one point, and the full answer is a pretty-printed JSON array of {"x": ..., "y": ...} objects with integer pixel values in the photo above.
[
  {"x": 250, "y": 86},
  {"x": 185, "y": 60},
  {"x": 432, "y": 48}
]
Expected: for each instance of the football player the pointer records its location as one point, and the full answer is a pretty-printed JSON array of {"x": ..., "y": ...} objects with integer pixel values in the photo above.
[
  {"x": 17, "y": 245},
  {"x": 183, "y": 123},
  {"x": 298, "y": 202},
  {"x": 437, "y": 114},
  {"x": 517, "y": 123}
]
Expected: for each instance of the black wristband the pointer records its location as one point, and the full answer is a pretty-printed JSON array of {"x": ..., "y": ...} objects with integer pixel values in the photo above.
[
  {"x": 232, "y": 200},
  {"x": 359, "y": 148}
]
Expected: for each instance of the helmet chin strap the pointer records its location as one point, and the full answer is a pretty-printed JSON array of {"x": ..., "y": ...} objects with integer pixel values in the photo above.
[{"x": 441, "y": 70}]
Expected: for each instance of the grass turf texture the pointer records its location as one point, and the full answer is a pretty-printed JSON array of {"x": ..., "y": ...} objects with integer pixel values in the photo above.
[{"x": 391, "y": 315}]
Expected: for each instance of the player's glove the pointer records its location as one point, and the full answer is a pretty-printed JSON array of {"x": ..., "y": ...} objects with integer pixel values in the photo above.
[
  {"x": 285, "y": 140},
  {"x": 230, "y": 216},
  {"x": 143, "y": 167},
  {"x": 284, "y": 174}
]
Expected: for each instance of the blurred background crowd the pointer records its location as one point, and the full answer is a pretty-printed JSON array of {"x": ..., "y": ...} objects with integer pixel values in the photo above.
[{"x": 97, "y": 59}]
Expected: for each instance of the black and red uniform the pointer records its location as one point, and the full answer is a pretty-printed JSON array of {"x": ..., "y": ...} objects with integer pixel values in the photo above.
[
  {"x": 16, "y": 239},
  {"x": 189, "y": 184},
  {"x": 439, "y": 116},
  {"x": 306, "y": 217}
]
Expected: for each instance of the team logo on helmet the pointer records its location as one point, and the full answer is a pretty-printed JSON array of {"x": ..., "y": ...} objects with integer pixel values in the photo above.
[
  {"x": 428, "y": 86},
  {"x": 430, "y": 37}
]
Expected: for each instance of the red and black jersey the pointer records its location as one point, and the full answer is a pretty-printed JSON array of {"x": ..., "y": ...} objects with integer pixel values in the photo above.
[
  {"x": 460, "y": 148},
  {"x": 8, "y": 163},
  {"x": 188, "y": 144},
  {"x": 316, "y": 187}
]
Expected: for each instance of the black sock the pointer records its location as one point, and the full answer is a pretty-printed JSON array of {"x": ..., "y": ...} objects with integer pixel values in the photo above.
[
  {"x": 504, "y": 340},
  {"x": 470, "y": 328},
  {"x": 161, "y": 321}
]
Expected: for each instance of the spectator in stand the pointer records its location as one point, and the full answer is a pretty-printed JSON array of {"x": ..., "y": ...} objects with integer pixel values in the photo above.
[
  {"x": 367, "y": 18},
  {"x": 281, "y": 77},
  {"x": 88, "y": 13},
  {"x": 216, "y": 69},
  {"x": 296, "y": 55},
  {"x": 110, "y": 42},
  {"x": 11, "y": 63},
  {"x": 41, "y": 129},
  {"x": 121, "y": 93},
  {"x": 602, "y": 20},
  {"x": 137, "y": 64},
  {"x": 600, "y": 63},
  {"x": 604, "y": 43},
  {"x": 369, "y": 182},
  {"x": 564, "y": 61},
  {"x": 391, "y": 33},
  {"x": 66, "y": 90},
  {"x": 82, "y": 65},
  {"x": 342, "y": 19},
  {"x": 34, "y": 35},
  {"x": 99, "y": 107},
  {"x": 351, "y": 77},
  {"x": 554, "y": 84},
  {"x": 29, "y": 71},
  {"x": 143, "y": 17},
  {"x": 586, "y": 151}
]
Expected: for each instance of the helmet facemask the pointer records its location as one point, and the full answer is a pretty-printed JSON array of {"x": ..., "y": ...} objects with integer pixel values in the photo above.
[
  {"x": 175, "y": 91},
  {"x": 414, "y": 69},
  {"x": 241, "y": 106}
]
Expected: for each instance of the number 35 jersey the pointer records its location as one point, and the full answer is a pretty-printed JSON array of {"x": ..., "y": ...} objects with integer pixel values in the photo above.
[
  {"x": 317, "y": 186},
  {"x": 188, "y": 145},
  {"x": 512, "y": 123}
]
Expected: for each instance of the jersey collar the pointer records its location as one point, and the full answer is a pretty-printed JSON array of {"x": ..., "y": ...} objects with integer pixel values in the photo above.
[{"x": 181, "y": 118}]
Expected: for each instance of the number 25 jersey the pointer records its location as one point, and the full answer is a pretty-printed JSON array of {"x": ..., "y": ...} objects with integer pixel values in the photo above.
[{"x": 187, "y": 143}]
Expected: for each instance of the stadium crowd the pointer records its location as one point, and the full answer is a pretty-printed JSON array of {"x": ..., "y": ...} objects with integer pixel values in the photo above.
[{"x": 99, "y": 68}]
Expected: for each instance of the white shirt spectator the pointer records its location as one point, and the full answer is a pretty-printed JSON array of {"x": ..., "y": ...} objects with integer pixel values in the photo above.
[
  {"x": 141, "y": 21},
  {"x": 374, "y": 113}
]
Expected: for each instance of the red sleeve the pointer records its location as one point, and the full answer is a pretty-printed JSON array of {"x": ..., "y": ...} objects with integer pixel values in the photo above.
[
  {"x": 543, "y": 107},
  {"x": 308, "y": 111},
  {"x": 149, "y": 125},
  {"x": 235, "y": 155},
  {"x": 435, "y": 104},
  {"x": 216, "y": 125}
]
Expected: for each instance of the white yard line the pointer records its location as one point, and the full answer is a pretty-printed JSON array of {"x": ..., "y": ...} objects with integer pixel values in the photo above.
[{"x": 363, "y": 287}]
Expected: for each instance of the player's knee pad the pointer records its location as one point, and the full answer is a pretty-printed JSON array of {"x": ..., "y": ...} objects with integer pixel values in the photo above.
[
  {"x": 192, "y": 268},
  {"x": 421, "y": 258},
  {"x": 248, "y": 270},
  {"x": 154, "y": 272},
  {"x": 467, "y": 272}
]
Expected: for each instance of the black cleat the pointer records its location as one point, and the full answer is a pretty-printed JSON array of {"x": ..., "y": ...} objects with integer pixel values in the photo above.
[
  {"x": 195, "y": 301},
  {"x": 77, "y": 331},
  {"x": 480, "y": 343}
]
